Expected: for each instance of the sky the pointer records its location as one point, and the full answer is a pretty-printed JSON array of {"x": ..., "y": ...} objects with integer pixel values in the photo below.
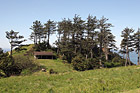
[{"x": 19, "y": 15}]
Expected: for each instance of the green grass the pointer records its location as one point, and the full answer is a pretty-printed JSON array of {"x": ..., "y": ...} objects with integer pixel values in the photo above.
[
  {"x": 133, "y": 91},
  {"x": 67, "y": 80},
  {"x": 56, "y": 65},
  {"x": 121, "y": 79}
]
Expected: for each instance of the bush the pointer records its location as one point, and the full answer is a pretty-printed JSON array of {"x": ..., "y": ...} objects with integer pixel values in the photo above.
[
  {"x": 51, "y": 71},
  {"x": 122, "y": 61},
  {"x": 112, "y": 64},
  {"x": 26, "y": 64},
  {"x": 81, "y": 64},
  {"x": 116, "y": 62},
  {"x": 94, "y": 63},
  {"x": 8, "y": 66},
  {"x": 116, "y": 59}
]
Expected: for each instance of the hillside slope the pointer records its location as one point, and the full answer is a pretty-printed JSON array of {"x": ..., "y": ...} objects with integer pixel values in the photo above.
[{"x": 69, "y": 81}]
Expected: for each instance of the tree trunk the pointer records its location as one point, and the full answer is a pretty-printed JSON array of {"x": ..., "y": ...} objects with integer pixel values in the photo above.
[
  {"x": 129, "y": 60},
  {"x": 106, "y": 57},
  {"x": 100, "y": 61},
  {"x": 48, "y": 42},
  {"x": 35, "y": 39},
  {"x": 39, "y": 39},
  {"x": 91, "y": 53},
  {"x": 126, "y": 56},
  {"x": 106, "y": 54},
  {"x": 58, "y": 44},
  {"x": 138, "y": 58},
  {"x": 11, "y": 50},
  {"x": 86, "y": 56}
]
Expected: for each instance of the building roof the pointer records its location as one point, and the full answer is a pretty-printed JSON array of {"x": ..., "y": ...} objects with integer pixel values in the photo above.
[{"x": 43, "y": 53}]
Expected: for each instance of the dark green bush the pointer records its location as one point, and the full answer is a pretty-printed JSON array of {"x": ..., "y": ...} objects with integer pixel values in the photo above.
[
  {"x": 51, "y": 71},
  {"x": 26, "y": 64},
  {"x": 116, "y": 62},
  {"x": 122, "y": 61},
  {"x": 93, "y": 63},
  {"x": 116, "y": 59},
  {"x": 8, "y": 66},
  {"x": 112, "y": 64},
  {"x": 81, "y": 64},
  {"x": 41, "y": 46}
]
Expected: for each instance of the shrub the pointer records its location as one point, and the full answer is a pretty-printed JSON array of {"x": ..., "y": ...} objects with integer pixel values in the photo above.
[
  {"x": 51, "y": 71},
  {"x": 81, "y": 64},
  {"x": 116, "y": 59},
  {"x": 41, "y": 46},
  {"x": 122, "y": 61},
  {"x": 26, "y": 64},
  {"x": 94, "y": 63},
  {"x": 8, "y": 66},
  {"x": 116, "y": 62},
  {"x": 112, "y": 64}
]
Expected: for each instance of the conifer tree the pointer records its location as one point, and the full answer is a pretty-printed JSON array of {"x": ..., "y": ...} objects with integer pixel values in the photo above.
[
  {"x": 79, "y": 28},
  {"x": 65, "y": 28},
  {"x": 105, "y": 38},
  {"x": 37, "y": 33},
  {"x": 91, "y": 34},
  {"x": 49, "y": 29},
  {"x": 126, "y": 43},
  {"x": 14, "y": 39},
  {"x": 137, "y": 44}
]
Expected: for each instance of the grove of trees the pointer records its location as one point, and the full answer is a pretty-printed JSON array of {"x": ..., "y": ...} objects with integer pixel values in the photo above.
[
  {"x": 86, "y": 44},
  {"x": 91, "y": 39}
]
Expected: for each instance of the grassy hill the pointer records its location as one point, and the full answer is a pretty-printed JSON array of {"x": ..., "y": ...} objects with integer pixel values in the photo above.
[
  {"x": 120, "y": 79},
  {"x": 67, "y": 80}
]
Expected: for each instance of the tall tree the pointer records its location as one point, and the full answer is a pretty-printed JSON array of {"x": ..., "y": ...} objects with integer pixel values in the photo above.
[
  {"x": 64, "y": 29},
  {"x": 59, "y": 32},
  {"x": 37, "y": 33},
  {"x": 65, "y": 44},
  {"x": 49, "y": 29},
  {"x": 126, "y": 43},
  {"x": 91, "y": 26},
  {"x": 105, "y": 38},
  {"x": 137, "y": 44},
  {"x": 14, "y": 39},
  {"x": 79, "y": 28}
]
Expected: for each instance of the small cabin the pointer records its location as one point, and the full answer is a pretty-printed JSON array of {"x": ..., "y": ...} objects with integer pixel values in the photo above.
[{"x": 44, "y": 55}]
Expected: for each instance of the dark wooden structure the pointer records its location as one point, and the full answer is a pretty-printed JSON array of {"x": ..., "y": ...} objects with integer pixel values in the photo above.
[{"x": 44, "y": 55}]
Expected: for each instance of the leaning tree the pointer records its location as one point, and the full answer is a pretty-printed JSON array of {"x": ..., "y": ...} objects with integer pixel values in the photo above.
[
  {"x": 14, "y": 39},
  {"x": 106, "y": 39}
]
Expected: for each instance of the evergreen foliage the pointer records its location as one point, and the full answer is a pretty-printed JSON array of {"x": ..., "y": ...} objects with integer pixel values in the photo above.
[
  {"x": 137, "y": 44},
  {"x": 127, "y": 43},
  {"x": 14, "y": 39}
]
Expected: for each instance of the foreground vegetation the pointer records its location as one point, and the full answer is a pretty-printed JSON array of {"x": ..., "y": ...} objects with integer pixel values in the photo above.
[
  {"x": 120, "y": 79},
  {"x": 61, "y": 78}
]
